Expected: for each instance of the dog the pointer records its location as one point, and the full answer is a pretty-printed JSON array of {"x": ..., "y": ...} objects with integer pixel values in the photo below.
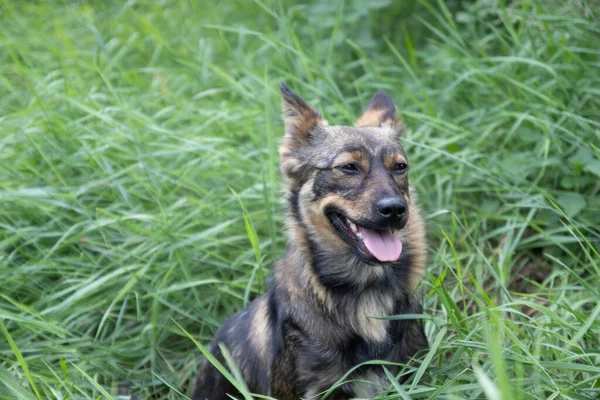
[{"x": 355, "y": 250}]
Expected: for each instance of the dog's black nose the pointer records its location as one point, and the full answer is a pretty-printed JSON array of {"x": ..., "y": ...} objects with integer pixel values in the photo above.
[{"x": 392, "y": 208}]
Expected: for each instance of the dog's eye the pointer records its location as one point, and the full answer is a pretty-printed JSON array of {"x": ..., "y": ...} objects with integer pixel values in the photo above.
[
  {"x": 400, "y": 168},
  {"x": 350, "y": 168}
]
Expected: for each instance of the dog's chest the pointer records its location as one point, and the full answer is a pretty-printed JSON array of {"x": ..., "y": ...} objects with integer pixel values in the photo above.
[
  {"x": 369, "y": 339},
  {"x": 365, "y": 316}
]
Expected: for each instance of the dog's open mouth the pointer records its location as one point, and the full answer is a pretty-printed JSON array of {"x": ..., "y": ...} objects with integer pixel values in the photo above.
[{"x": 371, "y": 244}]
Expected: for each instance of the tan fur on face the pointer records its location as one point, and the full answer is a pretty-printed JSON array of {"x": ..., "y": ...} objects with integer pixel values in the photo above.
[
  {"x": 320, "y": 225},
  {"x": 394, "y": 159},
  {"x": 352, "y": 157},
  {"x": 316, "y": 220}
]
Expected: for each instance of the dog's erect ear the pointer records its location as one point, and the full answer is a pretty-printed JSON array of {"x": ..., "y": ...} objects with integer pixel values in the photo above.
[
  {"x": 300, "y": 118},
  {"x": 380, "y": 112},
  {"x": 302, "y": 121}
]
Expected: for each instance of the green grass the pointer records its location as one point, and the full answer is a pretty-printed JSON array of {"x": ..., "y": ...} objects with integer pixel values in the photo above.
[{"x": 140, "y": 195}]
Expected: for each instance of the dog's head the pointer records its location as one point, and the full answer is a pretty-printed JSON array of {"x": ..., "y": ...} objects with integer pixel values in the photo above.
[{"x": 348, "y": 186}]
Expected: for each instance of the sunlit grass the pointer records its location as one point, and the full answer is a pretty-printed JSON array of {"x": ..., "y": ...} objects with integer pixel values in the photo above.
[{"x": 140, "y": 196}]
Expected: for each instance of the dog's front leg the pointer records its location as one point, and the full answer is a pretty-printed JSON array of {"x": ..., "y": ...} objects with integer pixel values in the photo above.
[{"x": 284, "y": 374}]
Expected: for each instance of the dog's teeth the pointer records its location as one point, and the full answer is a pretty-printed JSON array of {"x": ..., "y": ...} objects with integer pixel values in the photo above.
[
  {"x": 359, "y": 234},
  {"x": 353, "y": 226}
]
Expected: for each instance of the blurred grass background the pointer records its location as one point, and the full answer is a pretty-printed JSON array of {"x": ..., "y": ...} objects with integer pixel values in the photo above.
[{"x": 125, "y": 128}]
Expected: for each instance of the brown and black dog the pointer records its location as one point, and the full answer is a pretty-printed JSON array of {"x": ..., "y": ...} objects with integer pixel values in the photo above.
[{"x": 356, "y": 250}]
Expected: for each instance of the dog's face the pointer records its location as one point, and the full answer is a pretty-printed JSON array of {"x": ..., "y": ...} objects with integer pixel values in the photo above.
[{"x": 348, "y": 185}]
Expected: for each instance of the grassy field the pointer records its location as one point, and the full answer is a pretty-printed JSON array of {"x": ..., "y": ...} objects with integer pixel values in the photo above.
[{"x": 127, "y": 129}]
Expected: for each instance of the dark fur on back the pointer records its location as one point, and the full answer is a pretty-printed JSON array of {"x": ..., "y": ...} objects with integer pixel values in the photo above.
[{"x": 314, "y": 323}]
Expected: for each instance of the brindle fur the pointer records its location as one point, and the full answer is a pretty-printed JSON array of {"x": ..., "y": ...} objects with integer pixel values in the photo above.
[{"x": 314, "y": 323}]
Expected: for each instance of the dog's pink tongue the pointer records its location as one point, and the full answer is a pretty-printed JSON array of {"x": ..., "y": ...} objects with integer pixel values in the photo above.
[{"x": 382, "y": 244}]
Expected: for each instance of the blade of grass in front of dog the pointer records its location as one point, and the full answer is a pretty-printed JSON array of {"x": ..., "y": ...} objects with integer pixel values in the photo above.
[
  {"x": 237, "y": 375},
  {"x": 342, "y": 379},
  {"x": 239, "y": 386},
  {"x": 169, "y": 385},
  {"x": 427, "y": 360},
  {"x": 435, "y": 394},
  {"x": 20, "y": 358},
  {"x": 401, "y": 392},
  {"x": 405, "y": 317}
]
